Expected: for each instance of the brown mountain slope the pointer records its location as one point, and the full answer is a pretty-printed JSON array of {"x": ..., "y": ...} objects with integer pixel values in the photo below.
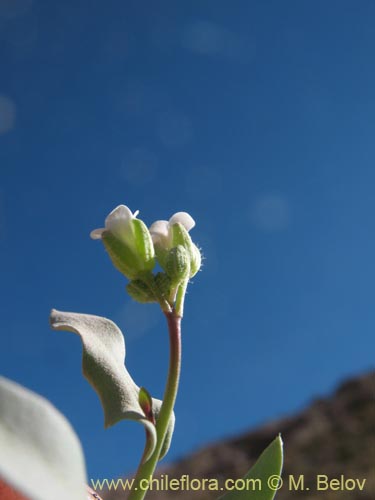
[{"x": 333, "y": 436}]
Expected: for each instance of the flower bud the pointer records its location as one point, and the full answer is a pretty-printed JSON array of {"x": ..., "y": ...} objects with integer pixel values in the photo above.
[
  {"x": 128, "y": 242},
  {"x": 163, "y": 284},
  {"x": 140, "y": 291},
  {"x": 177, "y": 264},
  {"x": 180, "y": 237},
  {"x": 167, "y": 235}
]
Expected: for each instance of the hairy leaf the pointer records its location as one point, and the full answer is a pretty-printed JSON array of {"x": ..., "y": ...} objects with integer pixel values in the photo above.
[
  {"x": 40, "y": 454},
  {"x": 103, "y": 366}
]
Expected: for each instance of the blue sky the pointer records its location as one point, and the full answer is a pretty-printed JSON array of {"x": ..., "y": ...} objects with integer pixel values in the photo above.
[{"x": 255, "y": 117}]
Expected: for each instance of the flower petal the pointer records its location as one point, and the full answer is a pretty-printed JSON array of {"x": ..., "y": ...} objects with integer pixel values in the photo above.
[
  {"x": 183, "y": 218},
  {"x": 116, "y": 219},
  {"x": 120, "y": 215},
  {"x": 159, "y": 231},
  {"x": 96, "y": 234}
]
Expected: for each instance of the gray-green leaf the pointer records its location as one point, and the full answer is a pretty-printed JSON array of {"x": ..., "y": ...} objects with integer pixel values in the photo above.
[
  {"x": 267, "y": 470},
  {"x": 40, "y": 454},
  {"x": 103, "y": 366}
]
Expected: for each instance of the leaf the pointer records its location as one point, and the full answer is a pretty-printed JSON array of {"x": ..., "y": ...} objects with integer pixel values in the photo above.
[
  {"x": 145, "y": 402},
  {"x": 103, "y": 366},
  {"x": 40, "y": 454},
  {"x": 268, "y": 466}
]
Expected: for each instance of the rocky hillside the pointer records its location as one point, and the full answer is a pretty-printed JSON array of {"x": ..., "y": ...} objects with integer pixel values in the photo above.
[{"x": 334, "y": 436}]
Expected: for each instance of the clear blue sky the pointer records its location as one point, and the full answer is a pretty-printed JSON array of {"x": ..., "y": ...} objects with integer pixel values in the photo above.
[{"x": 257, "y": 117}]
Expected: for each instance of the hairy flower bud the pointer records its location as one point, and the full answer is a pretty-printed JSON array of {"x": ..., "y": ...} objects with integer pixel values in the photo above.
[
  {"x": 163, "y": 284},
  {"x": 177, "y": 264},
  {"x": 140, "y": 291}
]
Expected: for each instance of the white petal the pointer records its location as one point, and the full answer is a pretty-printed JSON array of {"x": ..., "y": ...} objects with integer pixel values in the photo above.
[
  {"x": 118, "y": 216},
  {"x": 96, "y": 234},
  {"x": 183, "y": 218},
  {"x": 159, "y": 230}
]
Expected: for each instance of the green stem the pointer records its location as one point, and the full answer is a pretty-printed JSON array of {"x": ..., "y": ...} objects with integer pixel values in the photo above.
[
  {"x": 146, "y": 470},
  {"x": 180, "y": 298}
]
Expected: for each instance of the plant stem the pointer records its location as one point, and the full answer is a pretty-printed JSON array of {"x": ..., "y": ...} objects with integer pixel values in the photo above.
[
  {"x": 146, "y": 470},
  {"x": 180, "y": 298}
]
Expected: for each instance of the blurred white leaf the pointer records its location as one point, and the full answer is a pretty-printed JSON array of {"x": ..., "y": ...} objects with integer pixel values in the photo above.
[{"x": 40, "y": 454}]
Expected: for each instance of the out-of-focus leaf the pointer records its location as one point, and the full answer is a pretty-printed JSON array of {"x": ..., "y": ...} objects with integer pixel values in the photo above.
[
  {"x": 103, "y": 366},
  {"x": 40, "y": 454},
  {"x": 267, "y": 469}
]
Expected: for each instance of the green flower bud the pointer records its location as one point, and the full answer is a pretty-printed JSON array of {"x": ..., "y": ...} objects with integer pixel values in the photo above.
[
  {"x": 128, "y": 242},
  {"x": 181, "y": 237},
  {"x": 163, "y": 284},
  {"x": 177, "y": 264},
  {"x": 139, "y": 291}
]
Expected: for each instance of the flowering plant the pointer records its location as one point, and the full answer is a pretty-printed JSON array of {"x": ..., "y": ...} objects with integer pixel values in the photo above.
[{"x": 134, "y": 250}]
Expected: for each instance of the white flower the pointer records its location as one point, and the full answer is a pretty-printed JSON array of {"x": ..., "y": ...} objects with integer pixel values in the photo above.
[
  {"x": 118, "y": 220},
  {"x": 128, "y": 242},
  {"x": 168, "y": 235},
  {"x": 161, "y": 230}
]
